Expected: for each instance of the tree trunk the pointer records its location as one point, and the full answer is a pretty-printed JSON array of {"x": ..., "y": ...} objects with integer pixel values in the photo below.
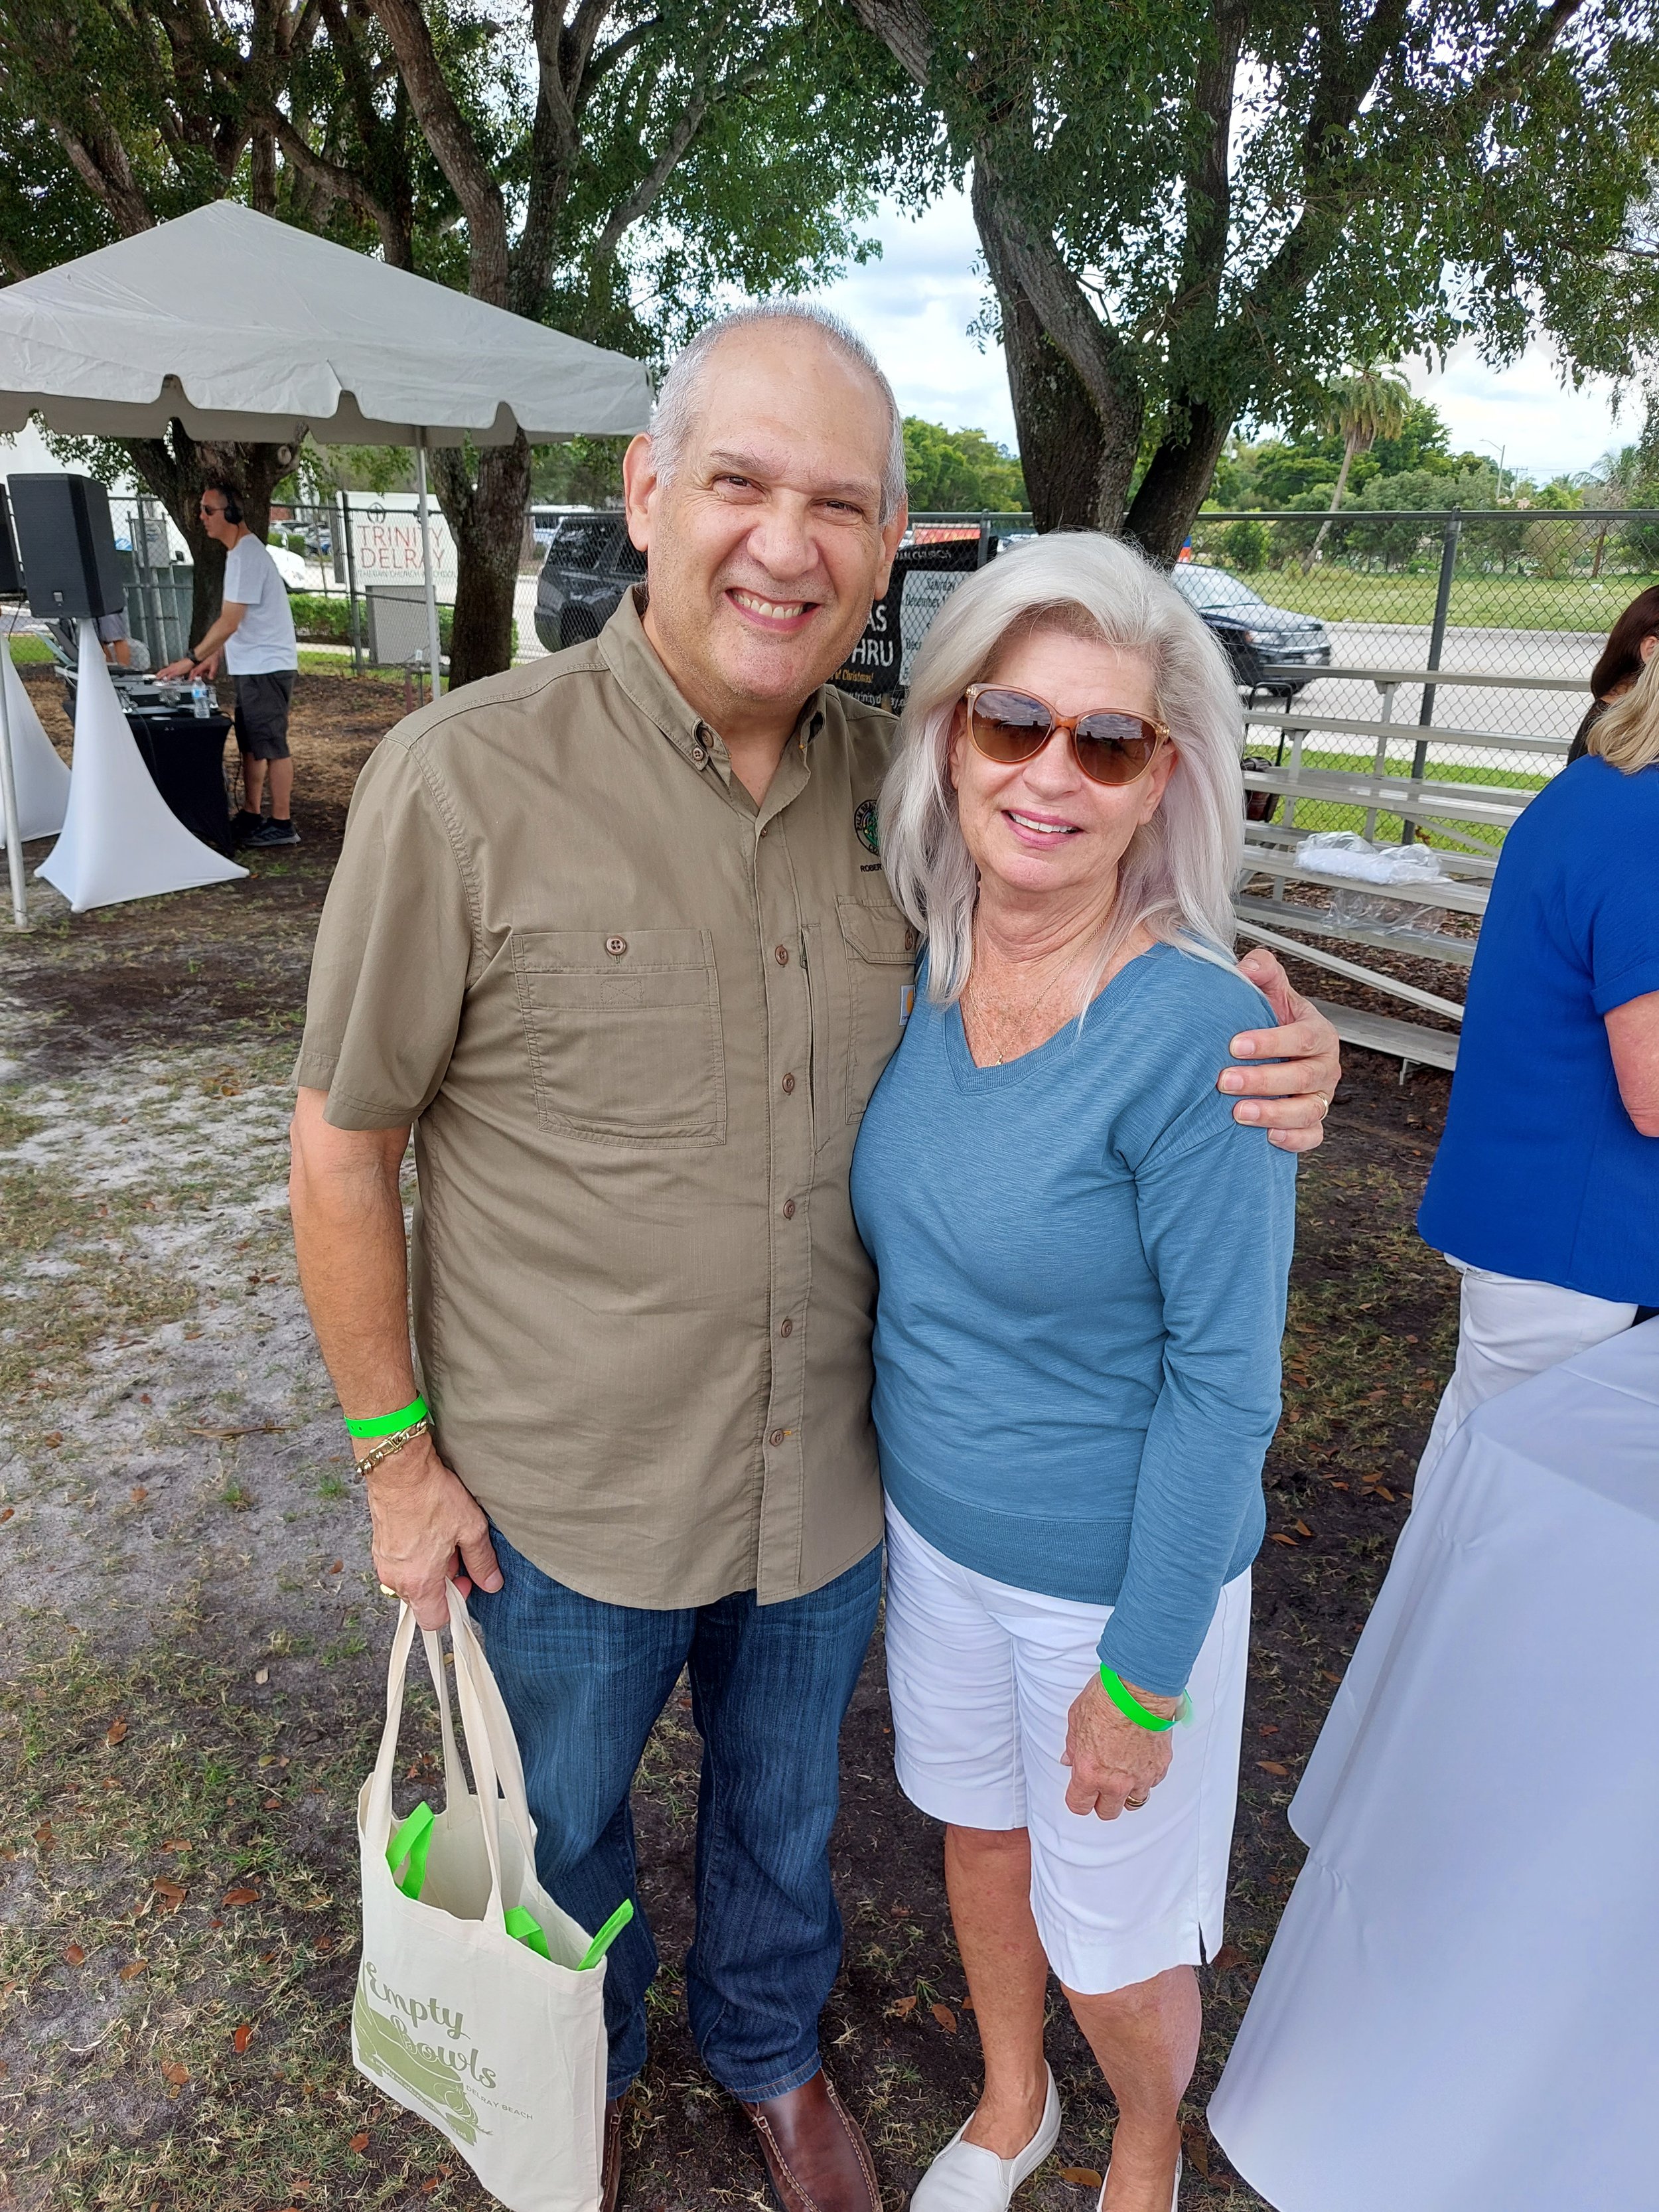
[
  {"x": 486, "y": 513},
  {"x": 1060, "y": 445},
  {"x": 1176, "y": 483},
  {"x": 175, "y": 468},
  {"x": 1076, "y": 466},
  {"x": 1348, "y": 451}
]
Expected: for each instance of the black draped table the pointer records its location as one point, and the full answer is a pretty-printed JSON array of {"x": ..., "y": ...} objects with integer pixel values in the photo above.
[{"x": 184, "y": 754}]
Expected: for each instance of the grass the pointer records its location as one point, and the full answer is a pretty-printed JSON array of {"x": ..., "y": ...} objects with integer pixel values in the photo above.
[
  {"x": 75, "y": 1277},
  {"x": 1338, "y": 593},
  {"x": 177, "y": 1863},
  {"x": 177, "y": 1853}
]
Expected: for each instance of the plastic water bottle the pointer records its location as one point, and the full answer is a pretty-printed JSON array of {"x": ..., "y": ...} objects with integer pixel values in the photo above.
[{"x": 198, "y": 701}]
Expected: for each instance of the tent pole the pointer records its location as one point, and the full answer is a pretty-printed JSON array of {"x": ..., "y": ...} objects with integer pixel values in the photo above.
[
  {"x": 20, "y": 907},
  {"x": 432, "y": 644}
]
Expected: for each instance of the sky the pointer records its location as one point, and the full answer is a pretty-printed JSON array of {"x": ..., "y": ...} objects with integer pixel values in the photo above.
[{"x": 916, "y": 303}]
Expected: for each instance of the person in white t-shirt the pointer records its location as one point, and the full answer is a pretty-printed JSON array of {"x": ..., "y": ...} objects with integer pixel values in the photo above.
[{"x": 254, "y": 633}]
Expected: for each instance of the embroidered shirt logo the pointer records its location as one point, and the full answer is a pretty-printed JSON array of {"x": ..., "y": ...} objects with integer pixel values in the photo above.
[{"x": 864, "y": 821}]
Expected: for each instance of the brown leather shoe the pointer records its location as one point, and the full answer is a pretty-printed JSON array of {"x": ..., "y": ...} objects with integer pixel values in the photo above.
[
  {"x": 816, "y": 2160},
  {"x": 610, "y": 2155}
]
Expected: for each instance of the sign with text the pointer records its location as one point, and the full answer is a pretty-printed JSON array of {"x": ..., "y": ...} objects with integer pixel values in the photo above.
[
  {"x": 872, "y": 669},
  {"x": 386, "y": 543}
]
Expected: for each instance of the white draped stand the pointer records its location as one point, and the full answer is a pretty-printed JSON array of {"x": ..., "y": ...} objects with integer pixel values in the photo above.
[
  {"x": 39, "y": 778},
  {"x": 1457, "y": 2013},
  {"x": 121, "y": 840}
]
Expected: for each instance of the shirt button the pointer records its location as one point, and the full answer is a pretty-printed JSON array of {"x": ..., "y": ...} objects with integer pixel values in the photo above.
[
  {"x": 615, "y": 946},
  {"x": 700, "y": 754},
  {"x": 909, "y": 940},
  {"x": 789, "y": 1209},
  {"x": 780, "y": 954},
  {"x": 786, "y": 1328},
  {"x": 775, "y": 1439},
  {"x": 788, "y": 1082}
]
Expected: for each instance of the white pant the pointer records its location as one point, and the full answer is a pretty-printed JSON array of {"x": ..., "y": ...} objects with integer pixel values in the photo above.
[
  {"x": 981, "y": 1677},
  {"x": 1508, "y": 1331}
]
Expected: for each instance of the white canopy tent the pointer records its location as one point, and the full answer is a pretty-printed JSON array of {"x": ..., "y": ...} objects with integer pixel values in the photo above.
[{"x": 241, "y": 327}]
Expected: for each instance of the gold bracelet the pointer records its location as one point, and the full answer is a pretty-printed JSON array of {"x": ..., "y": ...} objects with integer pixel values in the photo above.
[{"x": 388, "y": 1445}]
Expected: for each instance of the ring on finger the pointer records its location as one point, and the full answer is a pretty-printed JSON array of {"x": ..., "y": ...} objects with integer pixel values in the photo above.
[
  {"x": 1324, "y": 1104},
  {"x": 1133, "y": 1804}
]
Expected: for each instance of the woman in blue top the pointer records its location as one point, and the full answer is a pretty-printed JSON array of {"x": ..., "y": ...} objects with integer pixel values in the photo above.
[
  {"x": 1545, "y": 1192},
  {"x": 1082, "y": 1261}
]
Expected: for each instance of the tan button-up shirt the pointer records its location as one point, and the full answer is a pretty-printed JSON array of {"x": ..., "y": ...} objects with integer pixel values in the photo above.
[{"x": 634, "y": 1020}]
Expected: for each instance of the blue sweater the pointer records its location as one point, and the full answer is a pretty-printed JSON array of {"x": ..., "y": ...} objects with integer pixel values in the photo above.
[{"x": 1083, "y": 1261}]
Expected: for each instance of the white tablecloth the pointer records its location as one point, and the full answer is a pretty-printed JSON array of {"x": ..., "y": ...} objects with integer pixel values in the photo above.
[{"x": 1461, "y": 2010}]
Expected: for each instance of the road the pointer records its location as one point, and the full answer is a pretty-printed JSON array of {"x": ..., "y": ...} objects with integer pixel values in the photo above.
[{"x": 1519, "y": 654}]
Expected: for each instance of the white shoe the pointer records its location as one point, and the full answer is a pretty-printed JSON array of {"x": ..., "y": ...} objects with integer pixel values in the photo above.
[
  {"x": 964, "y": 2177},
  {"x": 1175, "y": 2200}
]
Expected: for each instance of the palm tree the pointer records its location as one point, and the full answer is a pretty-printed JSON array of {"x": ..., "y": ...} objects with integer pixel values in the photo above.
[{"x": 1361, "y": 407}]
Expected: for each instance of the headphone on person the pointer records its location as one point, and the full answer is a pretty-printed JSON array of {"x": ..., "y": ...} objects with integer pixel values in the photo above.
[{"x": 232, "y": 504}]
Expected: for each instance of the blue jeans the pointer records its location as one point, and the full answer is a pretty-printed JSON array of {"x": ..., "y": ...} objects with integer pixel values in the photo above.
[{"x": 583, "y": 1682}]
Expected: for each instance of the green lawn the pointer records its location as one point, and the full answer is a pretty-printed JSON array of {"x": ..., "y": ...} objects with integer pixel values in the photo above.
[{"x": 1337, "y": 593}]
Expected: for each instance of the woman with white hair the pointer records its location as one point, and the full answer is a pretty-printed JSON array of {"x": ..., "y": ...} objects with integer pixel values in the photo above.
[{"x": 1082, "y": 1261}]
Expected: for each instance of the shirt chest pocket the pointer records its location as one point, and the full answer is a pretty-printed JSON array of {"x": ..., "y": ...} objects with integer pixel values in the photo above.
[
  {"x": 878, "y": 962},
  {"x": 623, "y": 1032}
]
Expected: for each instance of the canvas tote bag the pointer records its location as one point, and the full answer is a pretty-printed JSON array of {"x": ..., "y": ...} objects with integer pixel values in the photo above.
[{"x": 495, "y": 2036}]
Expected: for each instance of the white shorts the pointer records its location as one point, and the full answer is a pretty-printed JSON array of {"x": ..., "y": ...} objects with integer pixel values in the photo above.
[
  {"x": 1509, "y": 1330},
  {"x": 981, "y": 1677}
]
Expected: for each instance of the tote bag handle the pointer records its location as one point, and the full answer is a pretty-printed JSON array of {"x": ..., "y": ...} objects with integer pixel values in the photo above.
[
  {"x": 378, "y": 1814},
  {"x": 455, "y": 1782}
]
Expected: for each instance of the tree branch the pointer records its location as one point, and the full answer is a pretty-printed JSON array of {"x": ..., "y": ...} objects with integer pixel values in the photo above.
[
  {"x": 905, "y": 28},
  {"x": 335, "y": 182},
  {"x": 639, "y": 201},
  {"x": 100, "y": 162},
  {"x": 454, "y": 147}
]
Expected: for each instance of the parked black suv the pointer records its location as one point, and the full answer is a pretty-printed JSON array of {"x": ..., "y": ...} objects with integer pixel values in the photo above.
[
  {"x": 1254, "y": 634},
  {"x": 589, "y": 564}
]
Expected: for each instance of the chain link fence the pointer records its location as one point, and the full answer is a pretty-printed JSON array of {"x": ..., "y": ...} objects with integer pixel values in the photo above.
[{"x": 1523, "y": 595}]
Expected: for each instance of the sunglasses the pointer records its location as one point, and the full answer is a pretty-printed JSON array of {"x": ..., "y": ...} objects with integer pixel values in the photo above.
[{"x": 1108, "y": 745}]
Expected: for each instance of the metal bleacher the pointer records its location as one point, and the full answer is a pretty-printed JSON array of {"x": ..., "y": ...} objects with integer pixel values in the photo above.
[{"x": 1467, "y": 818}]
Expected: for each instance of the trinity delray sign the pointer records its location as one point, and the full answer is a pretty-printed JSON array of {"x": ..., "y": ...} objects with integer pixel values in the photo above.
[{"x": 385, "y": 544}]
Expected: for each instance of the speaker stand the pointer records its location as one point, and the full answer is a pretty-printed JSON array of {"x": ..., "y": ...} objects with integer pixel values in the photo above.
[{"x": 121, "y": 840}]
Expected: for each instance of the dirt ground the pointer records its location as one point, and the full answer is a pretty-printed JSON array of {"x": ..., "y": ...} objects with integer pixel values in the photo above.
[{"x": 192, "y": 1647}]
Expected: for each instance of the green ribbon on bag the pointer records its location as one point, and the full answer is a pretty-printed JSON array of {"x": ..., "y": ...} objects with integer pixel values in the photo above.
[
  {"x": 412, "y": 1842},
  {"x": 608, "y": 1935},
  {"x": 408, "y": 1850}
]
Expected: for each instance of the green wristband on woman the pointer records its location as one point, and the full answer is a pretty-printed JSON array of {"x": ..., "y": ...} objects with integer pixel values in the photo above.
[
  {"x": 387, "y": 1425},
  {"x": 1132, "y": 1709}
]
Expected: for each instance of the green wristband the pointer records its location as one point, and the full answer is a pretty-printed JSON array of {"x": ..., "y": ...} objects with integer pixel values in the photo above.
[
  {"x": 387, "y": 1425},
  {"x": 1131, "y": 1707}
]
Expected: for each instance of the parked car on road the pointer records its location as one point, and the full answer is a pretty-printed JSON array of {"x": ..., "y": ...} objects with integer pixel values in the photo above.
[
  {"x": 589, "y": 564},
  {"x": 1254, "y": 634}
]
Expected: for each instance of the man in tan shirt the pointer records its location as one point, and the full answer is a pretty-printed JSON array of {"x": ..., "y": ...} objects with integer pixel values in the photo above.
[{"x": 610, "y": 934}]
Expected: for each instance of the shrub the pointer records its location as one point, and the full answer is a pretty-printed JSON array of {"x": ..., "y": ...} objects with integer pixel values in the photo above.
[
  {"x": 321, "y": 619},
  {"x": 1244, "y": 546}
]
